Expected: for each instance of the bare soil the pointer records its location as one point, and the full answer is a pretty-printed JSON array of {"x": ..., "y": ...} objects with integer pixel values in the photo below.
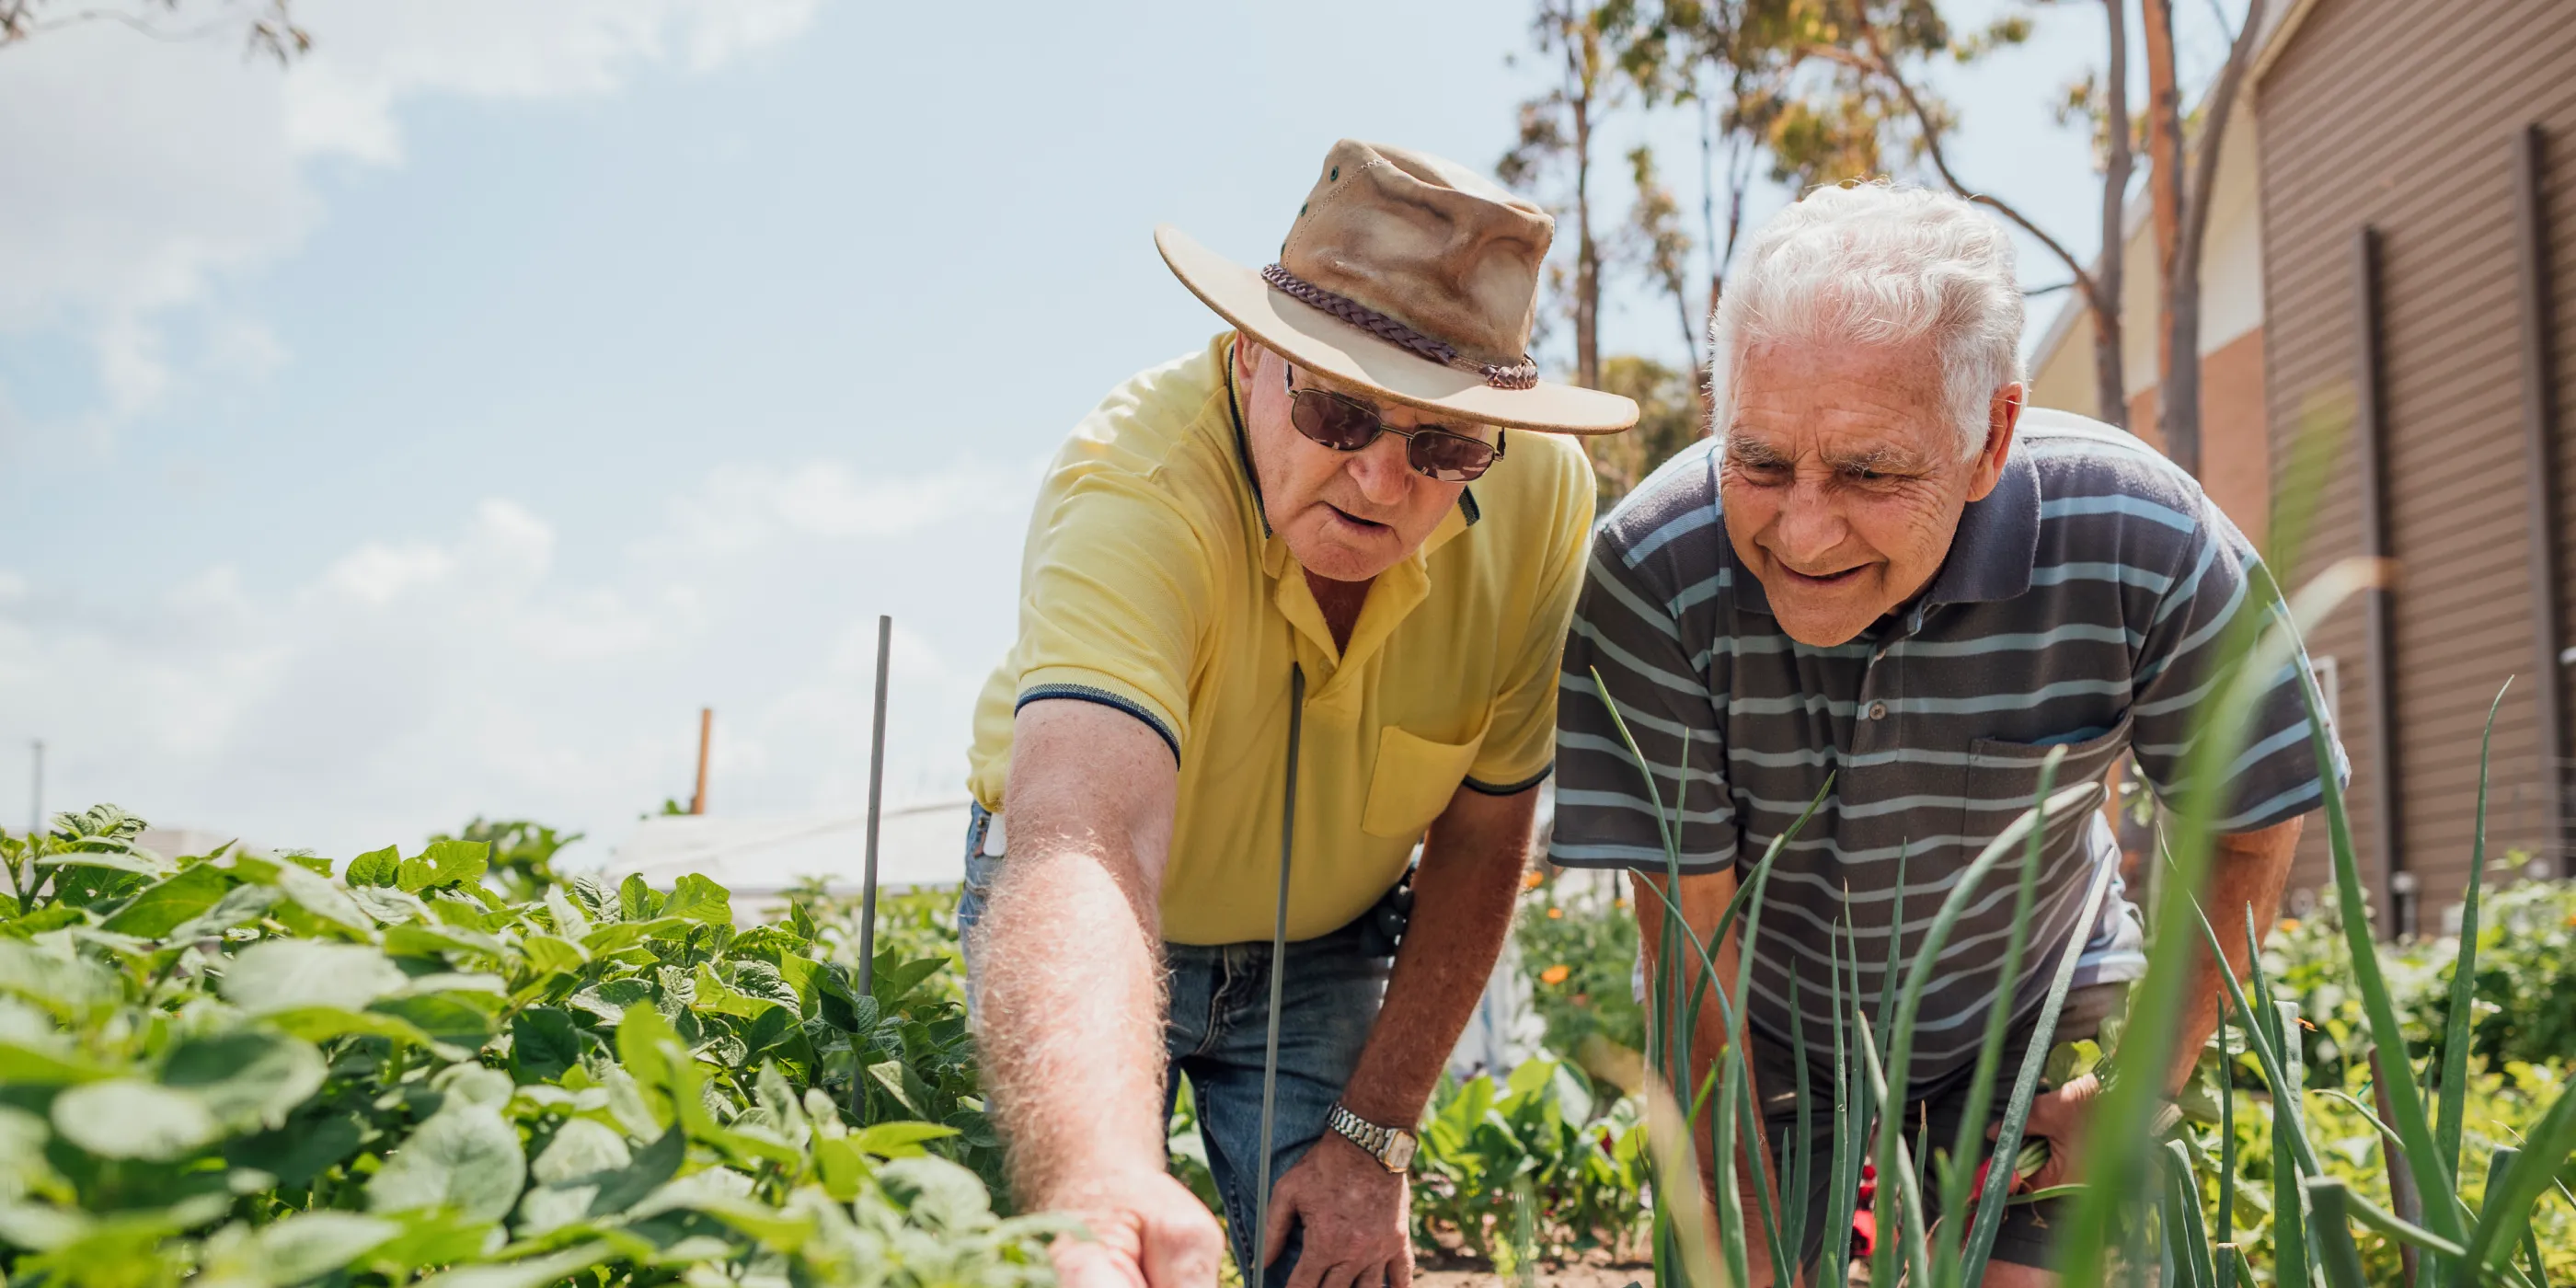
[{"x": 1595, "y": 1271}]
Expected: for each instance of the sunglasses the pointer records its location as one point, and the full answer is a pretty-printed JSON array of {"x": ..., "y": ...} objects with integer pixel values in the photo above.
[{"x": 1346, "y": 424}]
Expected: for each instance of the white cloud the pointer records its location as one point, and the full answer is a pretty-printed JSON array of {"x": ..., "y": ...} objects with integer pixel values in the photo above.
[
  {"x": 408, "y": 685},
  {"x": 188, "y": 161}
]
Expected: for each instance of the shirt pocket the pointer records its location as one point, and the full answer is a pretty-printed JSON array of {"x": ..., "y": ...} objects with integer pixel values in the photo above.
[
  {"x": 1413, "y": 781},
  {"x": 2003, "y": 781}
]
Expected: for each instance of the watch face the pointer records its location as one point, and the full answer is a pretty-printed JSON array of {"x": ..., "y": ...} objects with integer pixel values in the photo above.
[{"x": 1399, "y": 1152}]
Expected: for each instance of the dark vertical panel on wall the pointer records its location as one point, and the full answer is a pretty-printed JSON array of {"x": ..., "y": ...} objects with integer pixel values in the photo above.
[
  {"x": 2539, "y": 433},
  {"x": 2370, "y": 459}
]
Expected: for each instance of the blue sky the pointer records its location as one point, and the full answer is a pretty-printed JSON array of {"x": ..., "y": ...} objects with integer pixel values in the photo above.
[{"x": 431, "y": 428}]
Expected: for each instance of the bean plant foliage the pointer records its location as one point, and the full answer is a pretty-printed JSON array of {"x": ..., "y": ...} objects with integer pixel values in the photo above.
[{"x": 251, "y": 1070}]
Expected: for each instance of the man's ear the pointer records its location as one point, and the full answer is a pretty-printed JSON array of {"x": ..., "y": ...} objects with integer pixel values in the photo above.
[{"x": 2003, "y": 418}]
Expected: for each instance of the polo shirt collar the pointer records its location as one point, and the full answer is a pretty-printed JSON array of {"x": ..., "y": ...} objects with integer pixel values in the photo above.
[
  {"x": 1998, "y": 540},
  {"x": 1990, "y": 556}
]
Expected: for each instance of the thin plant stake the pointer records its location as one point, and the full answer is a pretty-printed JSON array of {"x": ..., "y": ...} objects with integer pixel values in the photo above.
[
  {"x": 876, "y": 804},
  {"x": 1278, "y": 980}
]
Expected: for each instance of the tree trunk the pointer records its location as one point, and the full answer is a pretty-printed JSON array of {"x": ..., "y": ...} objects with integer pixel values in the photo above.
[
  {"x": 1587, "y": 260},
  {"x": 2165, "y": 184},
  {"x": 2110, "y": 381},
  {"x": 2178, "y": 389}
]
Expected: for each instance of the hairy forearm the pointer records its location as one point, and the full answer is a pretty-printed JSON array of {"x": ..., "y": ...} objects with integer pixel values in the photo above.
[
  {"x": 2248, "y": 869},
  {"x": 1463, "y": 894},
  {"x": 1069, "y": 997},
  {"x": 1070, "y": 1027}
]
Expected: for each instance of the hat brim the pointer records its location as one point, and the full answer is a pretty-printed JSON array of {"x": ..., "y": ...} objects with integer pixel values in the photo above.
[{"x": 1312, "y": 338}]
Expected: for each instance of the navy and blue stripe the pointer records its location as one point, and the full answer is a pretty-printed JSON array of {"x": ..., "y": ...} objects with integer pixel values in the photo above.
[{"x": 2080, "y": 607}]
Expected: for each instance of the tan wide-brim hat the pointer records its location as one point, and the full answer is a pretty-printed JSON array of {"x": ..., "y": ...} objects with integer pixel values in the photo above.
[{"x": 1410, "y": 277}]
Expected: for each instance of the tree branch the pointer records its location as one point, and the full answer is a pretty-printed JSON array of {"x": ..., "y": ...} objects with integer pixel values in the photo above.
[{"x": 1885, "y": 67}]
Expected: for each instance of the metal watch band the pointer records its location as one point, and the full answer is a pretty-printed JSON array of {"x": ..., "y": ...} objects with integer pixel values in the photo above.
[{"x": 1378, "y": 1142}]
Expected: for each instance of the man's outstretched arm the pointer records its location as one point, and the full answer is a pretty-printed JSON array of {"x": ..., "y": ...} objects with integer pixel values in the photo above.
[
  {"x": 1069, "y": 1010},
  {"x": 1353, "y": 1210}
]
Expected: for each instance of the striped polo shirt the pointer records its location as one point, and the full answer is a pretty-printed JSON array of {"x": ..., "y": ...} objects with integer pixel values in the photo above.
[{"x": 2079, "y": 606}]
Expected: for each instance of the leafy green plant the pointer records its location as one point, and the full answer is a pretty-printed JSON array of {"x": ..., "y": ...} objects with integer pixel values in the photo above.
[
  {"x": 1578, "y": 952},
  {"x": 1531, "y": 1144},
  {"x": 2143, "y": 1202},
  {"x": 521, "y": 863},
  {"x": 245, "y": 1070}
]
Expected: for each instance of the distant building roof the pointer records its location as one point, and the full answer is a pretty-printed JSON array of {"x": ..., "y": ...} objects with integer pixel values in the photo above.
[{"x": 920, "y": 845}]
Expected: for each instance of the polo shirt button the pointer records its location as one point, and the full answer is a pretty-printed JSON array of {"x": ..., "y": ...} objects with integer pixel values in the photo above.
[{"x": 1878, "y": 711}]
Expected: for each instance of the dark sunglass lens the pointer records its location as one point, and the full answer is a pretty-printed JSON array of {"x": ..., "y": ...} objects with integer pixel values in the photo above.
[
  {"x": 1450, "y": 458},
  {"x": 1337, "y": 423}
]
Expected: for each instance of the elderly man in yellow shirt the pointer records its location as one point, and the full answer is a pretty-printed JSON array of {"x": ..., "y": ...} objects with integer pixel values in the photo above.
[{"x": 1327, "y": 529}]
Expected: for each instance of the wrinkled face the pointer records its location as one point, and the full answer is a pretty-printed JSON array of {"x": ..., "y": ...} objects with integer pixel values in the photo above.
[
  {"x": 1842, "y": 479},
  {"x": 1346, "y": 516}
]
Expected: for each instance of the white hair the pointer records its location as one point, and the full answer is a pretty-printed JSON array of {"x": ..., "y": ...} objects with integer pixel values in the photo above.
[{"x": 1879, "y": 265}]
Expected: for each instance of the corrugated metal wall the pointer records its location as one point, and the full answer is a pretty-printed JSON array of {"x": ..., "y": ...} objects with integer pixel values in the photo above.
[{"x": 2398, "y": 114}]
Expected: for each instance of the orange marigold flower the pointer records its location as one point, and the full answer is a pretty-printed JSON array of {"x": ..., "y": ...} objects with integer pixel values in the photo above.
[
  {"x": 1531, "y": 879},
  {"x": 1556, "y": 914},
  {"x": 2289, "y": 923},
  {"x": 1555, "y": 974}
]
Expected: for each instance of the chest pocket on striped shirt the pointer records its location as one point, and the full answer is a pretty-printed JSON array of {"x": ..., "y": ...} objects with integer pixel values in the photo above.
[
  {"x": 2003, "y": 778},
  {"x": 1413, "y": 781}
]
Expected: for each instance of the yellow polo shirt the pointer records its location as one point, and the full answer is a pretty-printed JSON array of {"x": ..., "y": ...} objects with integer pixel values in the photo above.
[{"x": 1150, "y": 584}]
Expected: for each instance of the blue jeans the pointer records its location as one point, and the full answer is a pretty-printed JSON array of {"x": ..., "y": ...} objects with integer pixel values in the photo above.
[{"x": 1214, "y": 1035}]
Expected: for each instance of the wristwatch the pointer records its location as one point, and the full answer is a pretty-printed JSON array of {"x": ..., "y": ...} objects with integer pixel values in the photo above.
[{"x": 1392, "y": 1147}]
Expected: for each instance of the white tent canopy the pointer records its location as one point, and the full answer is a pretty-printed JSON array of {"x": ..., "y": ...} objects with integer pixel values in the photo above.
[{"x": 756, "y": 858}]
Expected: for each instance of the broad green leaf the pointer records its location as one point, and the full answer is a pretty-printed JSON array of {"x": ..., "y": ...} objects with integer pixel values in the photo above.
[
  {"x": 543, "y": 1043},
  {"x": 449, "y": 1017},
  {"x": 889, "y": 1075},
  {"x": 170, "y": 902},
  {"x": 139, "y": 862},
  {"x": 582, "y": 1147},
  {"x": 240, "y": 906},
  {"x": 318, "y": 1023},
  {"x": 534, "y": 1272},
  {"x": 412, "y": 940},
  {"x": 898, "y": 1139},
  {"x": 698, "y": 899},
  {"x": 246, "y": 1078},
  {"x": 283, "y": 974},
  {"x": 456, "y": 862},
  {"x": 636, "y": 901},
  {"x": 308, "y": 1144},
  {"x": 722, "y": 998},
  {"x": 431, "y": 1237},
  {"x": 624, "y": 934},
  {"x": 130, "y": 1118},
  {"x": 388, "y": 905},
  {"x": 42, "y": 1227},
  {"x": 309, "y": 1245},
  {"x": 67, "y": 986},
  {"x": 44, "y": 919},
  {"x": 936, "y": 1192},
  {"x": 24, "y": 1065},
  {"x": 374, "y": 868},
  {"x": 465, "y": 1157},
  {"x": 570, "y": 921},
  {"x": 895, "y": 977},
  {"x": 546, "y": 953},
  {"x": 841, "y": 1167},
  {"x": 588, "y": 1173}
]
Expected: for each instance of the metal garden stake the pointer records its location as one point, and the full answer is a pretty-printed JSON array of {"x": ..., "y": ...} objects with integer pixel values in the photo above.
[
  {"x": 1278, "y": 979},
  {"x": 876, "y": 802}
]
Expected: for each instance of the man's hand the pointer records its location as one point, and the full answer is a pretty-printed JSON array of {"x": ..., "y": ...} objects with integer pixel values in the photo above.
[
  {"x": 1353, "y": 1212},
  {"x": 2060, "y": 1117},
  {"x": 1148, "y": 1231}
]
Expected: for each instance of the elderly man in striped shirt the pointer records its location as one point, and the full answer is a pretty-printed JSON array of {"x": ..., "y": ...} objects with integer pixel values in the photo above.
[{"x": 1885, "y": 569}]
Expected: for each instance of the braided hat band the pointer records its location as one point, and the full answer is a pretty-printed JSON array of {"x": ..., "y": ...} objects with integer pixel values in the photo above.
[{"x": 1519, "y": 375}]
